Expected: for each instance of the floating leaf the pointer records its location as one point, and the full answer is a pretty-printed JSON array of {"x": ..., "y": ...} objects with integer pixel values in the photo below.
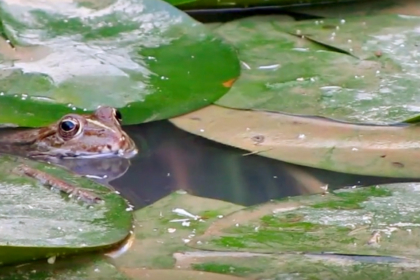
[
  {"x": 299, "y": 266},
  {"x": 390, "y": 151},
  {"x": 352, "y": 8},
  {"x": 80, "y": 268},
  {"x": 150, "y": 60},
  {"x": 358, "y": 69},
  {"x": 158, "y": 274},
  {"x": 38, "y": 222},
  {"x": 226, "y": 4},
  {"x": 164, "y": 228},
  {"x": 378, "y": 220}
]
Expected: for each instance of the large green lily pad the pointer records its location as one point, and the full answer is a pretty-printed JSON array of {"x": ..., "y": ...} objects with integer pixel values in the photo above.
[
  {"x": 358, "y": 69},
  {"x": 390, "y": 151},
  {"x": 39, "y": 222},
  {"x": 150, "y": 60}
]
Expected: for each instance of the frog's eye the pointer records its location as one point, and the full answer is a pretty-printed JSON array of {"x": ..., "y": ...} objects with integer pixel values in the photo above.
[
  {"x": 118, "y": 115},
  {"x": 69, "y": 127}
]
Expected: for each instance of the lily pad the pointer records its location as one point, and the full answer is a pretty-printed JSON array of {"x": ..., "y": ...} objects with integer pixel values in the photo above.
[
  {"x": 150, "y": 60},
  {"x": 389, "y": 151},
  {"x": 299, "y": 266},
  {"x": 158, "y": 274},
  {"x": 80, "y": 268},
  {"x": 374, "y": 221},
  {"x": 226, "y": 4},
  {"x": 164, "y": 228},
  {"x": 357, "y": 69},
  {"x": 39, "y": 222},
  {"x": 352, "y": 8}
]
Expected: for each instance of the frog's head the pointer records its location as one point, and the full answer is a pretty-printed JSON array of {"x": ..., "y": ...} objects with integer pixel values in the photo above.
[{"x": 81, "y": 136}]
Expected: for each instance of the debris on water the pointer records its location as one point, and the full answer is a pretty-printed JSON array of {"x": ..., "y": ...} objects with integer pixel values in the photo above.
[
  {"x": 51, "y": 260},
  {"x": 182, "y": 212},
  {"x": 179, "y": 220},
  {"x": 171, "y": 230},
  {"x": 324, "y": 189}
]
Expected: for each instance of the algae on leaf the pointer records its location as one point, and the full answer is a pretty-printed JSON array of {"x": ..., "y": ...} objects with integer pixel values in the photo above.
[
  {"x": 166, "y": 226},
  {"x": 357, "y": 69},
  {"x": 385, "y": 223},
  {"x": 142, "y": 56},
  {"x": 39, "y": 222}
]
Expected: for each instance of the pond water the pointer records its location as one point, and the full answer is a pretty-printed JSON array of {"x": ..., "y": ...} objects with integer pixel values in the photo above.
[{"x": 171, "y": 159}]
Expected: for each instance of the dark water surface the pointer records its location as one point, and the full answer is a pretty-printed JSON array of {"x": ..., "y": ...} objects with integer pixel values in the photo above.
[{"x": 171, "y": 159}]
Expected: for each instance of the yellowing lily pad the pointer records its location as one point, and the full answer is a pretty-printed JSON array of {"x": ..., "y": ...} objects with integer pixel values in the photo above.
[{"x": 390, "y": 151}]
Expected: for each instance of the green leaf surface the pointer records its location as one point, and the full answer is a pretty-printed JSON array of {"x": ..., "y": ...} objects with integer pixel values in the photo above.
[
  {"x": 75, "y": 268},
  {"x": 39, "y": 222},
  {"x": 357, "y": 69},
  {"x": 164, "y": 228},
  {"x": 375, "y": 221},
  {"x": 301, "y": 266},
  {"x": 150, "y": 60},
  {"x": 389, "y": 151}
]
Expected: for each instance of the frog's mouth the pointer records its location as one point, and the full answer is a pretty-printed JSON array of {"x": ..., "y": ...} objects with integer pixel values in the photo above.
[{"x": 127, "y": 153}]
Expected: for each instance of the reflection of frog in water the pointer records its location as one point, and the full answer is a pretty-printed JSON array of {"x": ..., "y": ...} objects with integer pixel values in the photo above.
[{"x": 75, "y": 138}]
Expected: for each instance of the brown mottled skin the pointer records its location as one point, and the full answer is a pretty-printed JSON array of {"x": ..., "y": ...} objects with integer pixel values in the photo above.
[{"x": 92, "y": 135}]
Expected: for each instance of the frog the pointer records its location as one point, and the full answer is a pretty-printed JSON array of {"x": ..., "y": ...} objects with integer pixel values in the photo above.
[{"x": 74, "y": 136}]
